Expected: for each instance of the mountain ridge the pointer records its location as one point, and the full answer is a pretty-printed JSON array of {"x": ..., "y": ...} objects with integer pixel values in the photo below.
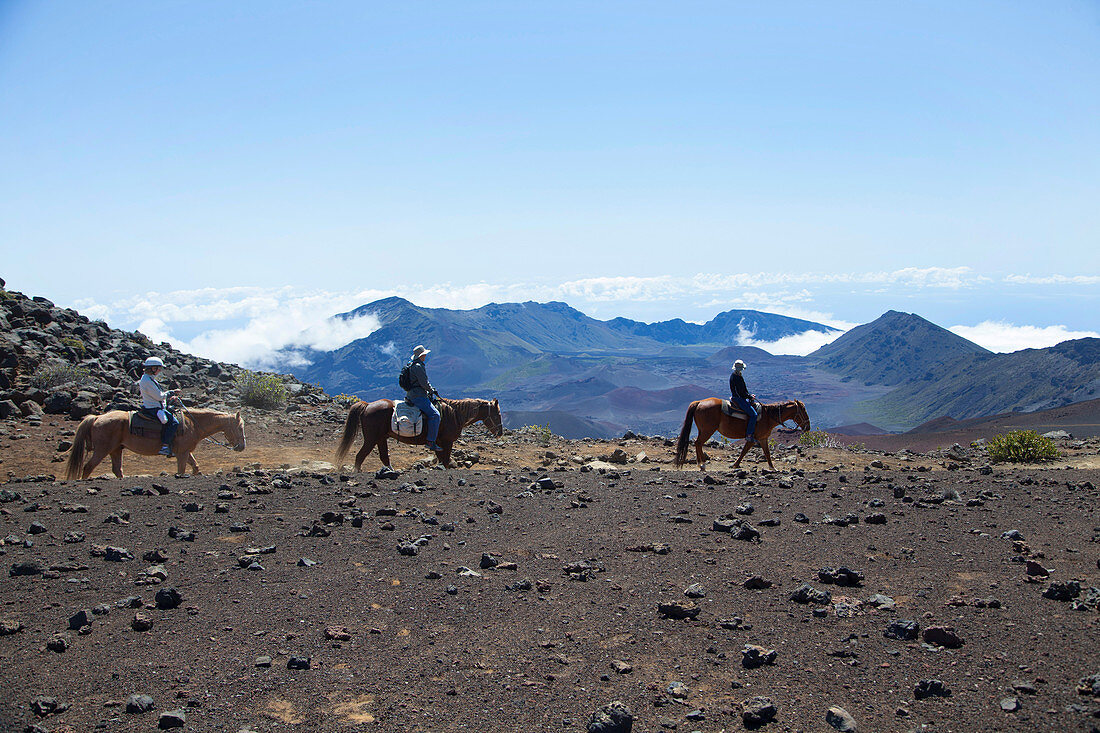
[{"x": 551, "y": 359}]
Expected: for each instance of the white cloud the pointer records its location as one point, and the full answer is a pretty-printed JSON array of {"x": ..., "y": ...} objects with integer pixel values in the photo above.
[
  {"x": 798, "y": 345},
  {"x": 252, "y": 325},
  {"x": 1053, "y": 280},
  {"x": 1006, "y": 337},
  {"x": 615, "y": 288}
]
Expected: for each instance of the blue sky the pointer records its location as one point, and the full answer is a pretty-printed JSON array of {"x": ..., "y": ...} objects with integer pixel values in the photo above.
[{"x": 222, "y": 174}]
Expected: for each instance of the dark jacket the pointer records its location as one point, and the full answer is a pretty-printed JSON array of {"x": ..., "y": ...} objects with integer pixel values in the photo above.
[
  {"x": 421, "y": 387},
  {"x": 738, "y": 388}
]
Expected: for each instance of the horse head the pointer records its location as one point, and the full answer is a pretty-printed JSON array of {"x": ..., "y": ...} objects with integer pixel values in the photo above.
[
  {"x": 493, "y": 420},
  {"x": 796, "y": 411},
  {"x": 234, "y": 431}
]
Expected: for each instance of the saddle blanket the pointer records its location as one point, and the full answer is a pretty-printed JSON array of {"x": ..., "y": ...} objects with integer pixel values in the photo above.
[
  {"x": 407, "y": 420},
  {"x": 733, "y": 411},
  {"x": 141, "y": 424}
]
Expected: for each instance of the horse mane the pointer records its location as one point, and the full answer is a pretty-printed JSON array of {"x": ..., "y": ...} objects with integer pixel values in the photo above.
[
  {"x": 185, "y": 415},
  {"x": 465, "y": 409}
]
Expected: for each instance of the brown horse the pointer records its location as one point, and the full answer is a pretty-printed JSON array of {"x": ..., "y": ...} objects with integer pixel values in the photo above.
[
  {"x": 107, "y": 434},
  {"x": 708, "y": 417},
  {"x": 374, "y": 420}
]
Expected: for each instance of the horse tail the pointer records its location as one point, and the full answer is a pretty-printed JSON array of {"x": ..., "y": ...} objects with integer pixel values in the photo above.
[
  {"x": 354, "y": 417},
  {"x": 74, "y": 468},
  {"x": 685, "y": 436}
]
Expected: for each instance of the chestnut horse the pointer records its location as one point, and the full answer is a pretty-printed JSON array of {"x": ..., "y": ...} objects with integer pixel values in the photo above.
[
  {"x": 107, "y": 434},
  {"x": 374, "y": 420},
  {"x": 708, "y": 417}
]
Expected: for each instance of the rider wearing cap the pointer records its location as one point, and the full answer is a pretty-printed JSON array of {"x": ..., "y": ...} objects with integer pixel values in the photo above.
[
  {"x": 743, "y": 399},
  {"x": 154, "y": 403},
  {"x": 420, "y": 394}
]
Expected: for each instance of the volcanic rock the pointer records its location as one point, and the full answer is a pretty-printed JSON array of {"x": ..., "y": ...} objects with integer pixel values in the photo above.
[
  {"x": 757, "y": 711},
  {"x": 614, "y": 717}
]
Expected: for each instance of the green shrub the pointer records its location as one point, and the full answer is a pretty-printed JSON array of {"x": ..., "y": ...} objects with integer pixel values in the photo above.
[
  {"x": 1022, "y": 446},
  {"x": 541, "y": 434},
  {"x": 265, "y": 391},
  {"x": 49, "y": 376},
  {"x": 75, "y": 344},
  {"x": 818, "y": 439}
]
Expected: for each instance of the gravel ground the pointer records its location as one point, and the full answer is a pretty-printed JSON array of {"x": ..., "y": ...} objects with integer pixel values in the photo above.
[{"x": 488, "y": 600}]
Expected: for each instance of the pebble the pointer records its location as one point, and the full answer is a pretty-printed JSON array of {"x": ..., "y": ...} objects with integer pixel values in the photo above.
[
  {"x": 80, "y": 619},
  {"x": 615, "y": 717},
  {"x": 902, "y": 629},
  {"x": 757, "y": 711},
  {"x": 298, "y": 663},
  {"x": 167, "y": 598},
  {"x": 944, "y": 636},
  {"x": 172, "y": 719},
  {"x": 678, "y": 690},
  {"x": 695, "y": 590},
  {"x": 931, "y": 688},
  {"x": 840, "y": 719},
  {"x": 58, "y": 643},
  {"x": 806, "y": 593},
  {"x": 678, "y": 610},
  {"x": 139, "y": 704},
  {"x": 753, "y": 656}
]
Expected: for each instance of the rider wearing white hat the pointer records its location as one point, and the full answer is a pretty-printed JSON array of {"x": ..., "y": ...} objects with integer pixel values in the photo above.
[
  {"x": 420, "y": 394},
  {"x": 154, "y": 403},
  {"x": 743, "y": 399}
]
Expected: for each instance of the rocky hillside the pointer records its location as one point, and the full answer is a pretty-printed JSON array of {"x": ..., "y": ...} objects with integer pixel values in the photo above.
[
  {"x": 895, "y": 349},
  {"x": 935, "y": 373},
  {"x": 56, "y": 361}
]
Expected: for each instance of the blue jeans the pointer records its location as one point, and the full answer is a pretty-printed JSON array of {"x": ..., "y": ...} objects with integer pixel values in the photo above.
[
  {"x": 749, "y": 410},
  {"x": 431, "y": 415},
  {"x": 168, "y": 432}
]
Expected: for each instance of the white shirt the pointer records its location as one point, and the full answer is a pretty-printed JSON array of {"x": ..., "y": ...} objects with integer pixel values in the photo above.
[{"x": 152, "y": 394}]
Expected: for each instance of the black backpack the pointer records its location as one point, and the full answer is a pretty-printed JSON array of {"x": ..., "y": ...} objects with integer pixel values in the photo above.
[{"x": 404, "y": 380}]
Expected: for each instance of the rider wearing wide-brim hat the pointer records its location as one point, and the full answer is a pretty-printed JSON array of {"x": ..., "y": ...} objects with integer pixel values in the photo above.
[
  {"x": 420, "y": 394},
  {"x": 154, "y": 403},
  {"x": 743, "y": 399}
]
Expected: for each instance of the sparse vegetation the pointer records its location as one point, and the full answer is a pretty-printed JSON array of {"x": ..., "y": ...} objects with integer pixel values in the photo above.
[
  {"x": 75, "y": 344},
  {"x": 52, "y": 375},
  {"x": 346, "y": 400},
  {"x": 1022, "y": 446},
  {"x": 265, "y": 391},
  {"x": 541, "y": 434},
  {"x": 819, "y": 439}
]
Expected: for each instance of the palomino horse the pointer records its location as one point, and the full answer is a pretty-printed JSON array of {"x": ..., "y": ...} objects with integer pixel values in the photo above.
[
  {"x": 709, "y": 417},
  {"x": 107, "y": 434},
  {"x": 374, "y": 420}
]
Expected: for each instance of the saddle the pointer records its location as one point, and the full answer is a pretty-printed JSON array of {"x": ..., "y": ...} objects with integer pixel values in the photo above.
[
  {"x": 144, "y": 426},
  {"x": 735, "y": 412},
  {"x": 407, "y": 420}
]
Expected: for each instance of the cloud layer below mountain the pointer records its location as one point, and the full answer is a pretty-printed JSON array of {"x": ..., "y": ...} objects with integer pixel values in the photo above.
[{"x": 258, "y": 326}]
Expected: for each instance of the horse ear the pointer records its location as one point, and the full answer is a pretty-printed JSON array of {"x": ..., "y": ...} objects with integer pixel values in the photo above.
[
  {"x": 494, "y": 402},
  {"x": 238, "y": 414}
]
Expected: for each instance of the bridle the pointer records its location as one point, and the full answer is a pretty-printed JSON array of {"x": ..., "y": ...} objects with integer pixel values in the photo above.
[
  {"x": 487, "y": 419},
  {"x": 800, "y": 412},
  {"x": 209, "y": 438}
]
